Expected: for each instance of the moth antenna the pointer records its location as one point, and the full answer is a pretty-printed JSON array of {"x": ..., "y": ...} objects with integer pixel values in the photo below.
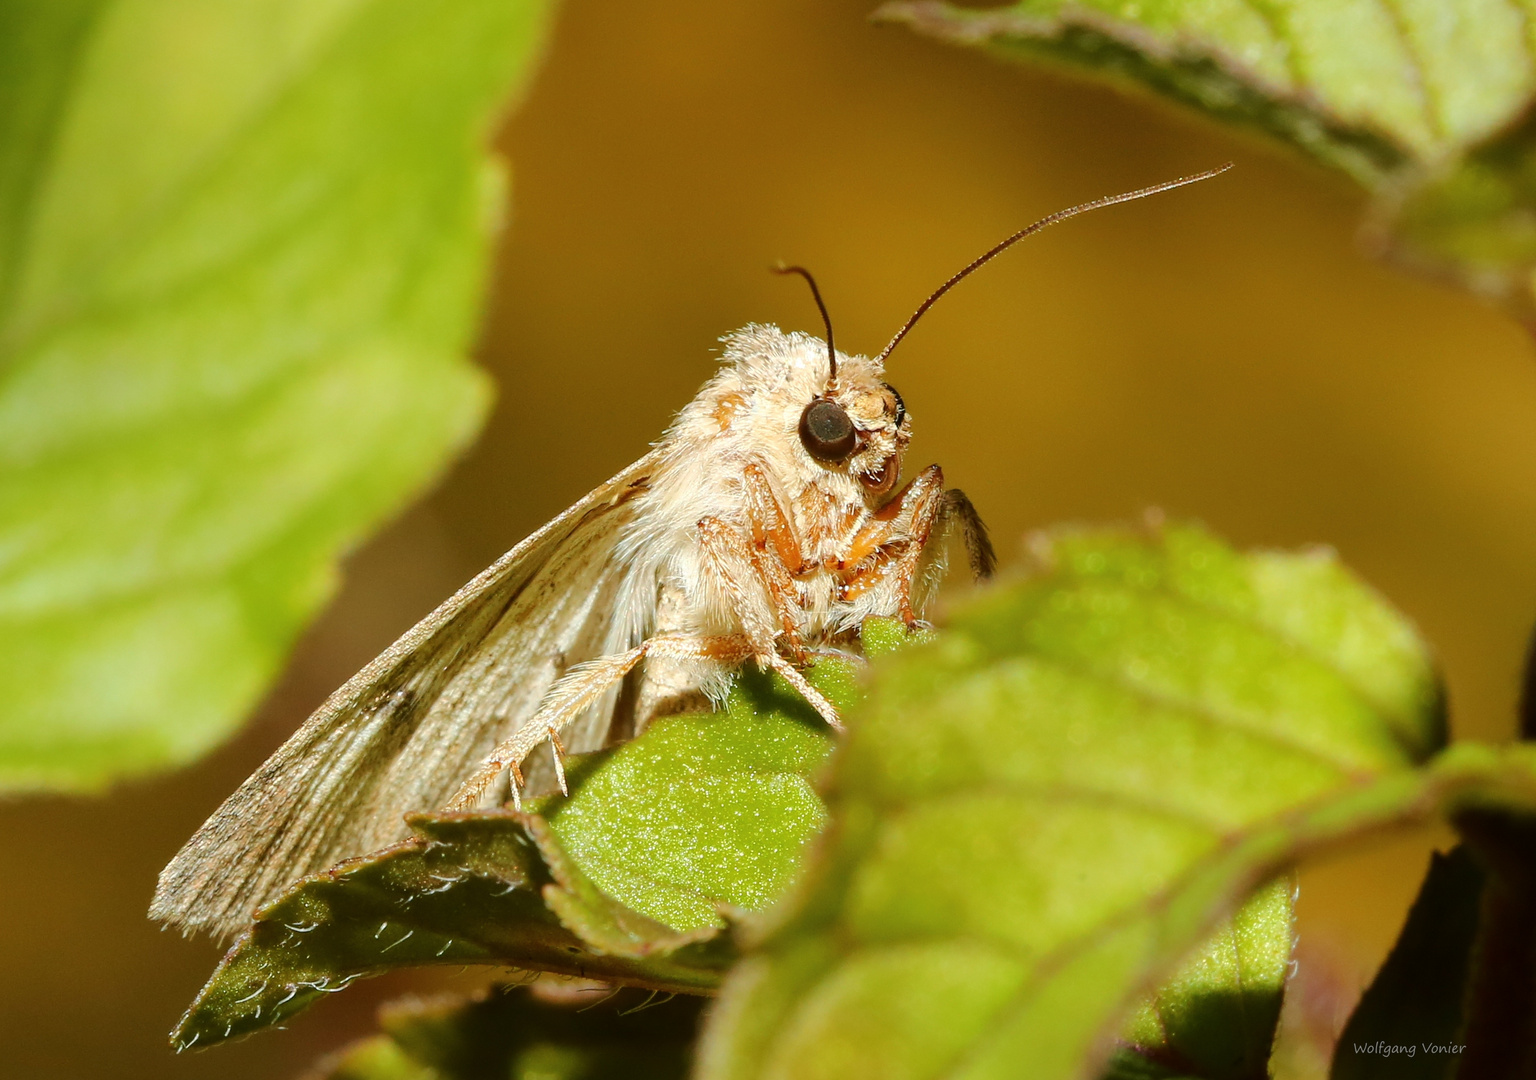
[
  {"x": 825, "y": 318},
  {"x": 1030, "y": 230}
]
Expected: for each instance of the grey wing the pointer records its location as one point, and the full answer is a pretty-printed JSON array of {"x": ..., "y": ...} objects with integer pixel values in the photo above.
[{"x": 404, "y": 732}]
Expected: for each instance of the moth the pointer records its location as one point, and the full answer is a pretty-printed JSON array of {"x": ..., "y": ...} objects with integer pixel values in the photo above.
[{"x": 767, "y": 524}]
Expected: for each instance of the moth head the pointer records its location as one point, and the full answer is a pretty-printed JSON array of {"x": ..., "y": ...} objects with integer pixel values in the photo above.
[{"x": 857, "y": 422}]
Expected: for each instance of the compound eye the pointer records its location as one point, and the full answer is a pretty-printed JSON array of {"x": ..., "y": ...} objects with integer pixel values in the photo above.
[
  {"x": 826, "y": 431},
  {"x": 901, "y": 406}
]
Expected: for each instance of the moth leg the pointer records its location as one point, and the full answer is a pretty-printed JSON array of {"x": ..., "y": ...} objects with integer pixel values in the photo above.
[
  {"x": 959, "y": 509},
  {"x": 824, "y": 708},
  {"x": 896, "y": 521},
  {"x": 770, "y": 523},
  {"x": 577, "y": 691},
  {"x": 775, "y": 552},
  {"x": 729, "y": 554},
  {"x": 934, "y": 514},
  {"x": 557, "y": 748},
  {"x": 925, "y": 516},
  {"x": 902, "y": 529},
  {"x": 567, "y": 699}
]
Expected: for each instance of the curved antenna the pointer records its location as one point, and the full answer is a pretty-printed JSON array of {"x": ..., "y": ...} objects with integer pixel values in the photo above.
[
  {"x": 1030, "y": 230},
  {"x": 825, "y": 318}
]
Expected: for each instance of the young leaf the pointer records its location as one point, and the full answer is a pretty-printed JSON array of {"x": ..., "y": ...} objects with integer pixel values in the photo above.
[
  {"x": 241, "y": 249},
  {"x": 506, "y": 1032},
  {"x": 1420, "y": 103},
  {"x": 705, "y": 811},
  {"x": 1419, "y": 994},
  {"x": 700, "y": 812},
  {"x": 1039, "y": 813}
]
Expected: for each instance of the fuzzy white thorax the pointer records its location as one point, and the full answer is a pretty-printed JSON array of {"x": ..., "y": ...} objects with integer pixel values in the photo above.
[{"x": 750, "y": 412}]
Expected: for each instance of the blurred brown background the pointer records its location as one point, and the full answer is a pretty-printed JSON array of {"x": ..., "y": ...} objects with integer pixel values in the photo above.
[{"x": 1222, "y": 352}]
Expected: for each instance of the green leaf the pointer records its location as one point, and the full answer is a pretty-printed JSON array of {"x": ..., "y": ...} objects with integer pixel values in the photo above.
[
  {"x": 700, "y": 813},
  {"x": 1215, "y": 1019},
  {"x": 1419, "y": 995},
  {"x": 1039, "y": 814},
  {"x": 806, "y": 1005},
  {"x": 707, "y": 810},
  {"x": 468, "y": 889},
  {"x": 506, "y": 1032},
  {"x": 1422, "y": 103},
  {"x": 241, "y": 250}
]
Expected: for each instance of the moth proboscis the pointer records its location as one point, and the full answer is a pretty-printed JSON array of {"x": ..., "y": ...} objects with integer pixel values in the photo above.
[{"x": 766, "y": 525}]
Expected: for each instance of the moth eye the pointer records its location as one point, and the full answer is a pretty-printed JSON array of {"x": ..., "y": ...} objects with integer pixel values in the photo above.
[
  {"x": 901, "y": 406},
  {"x": 826, "y": 431}
]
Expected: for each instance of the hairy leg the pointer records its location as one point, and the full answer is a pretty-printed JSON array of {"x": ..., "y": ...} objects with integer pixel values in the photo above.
[
  {"x": 895, "y": 522},
  {"x": 775, "y": 554},
  {"x": 892, "y": 542},
  {"x": 961, "y": 512},
  {"x": 730, "y": 556},
  {"x": 899, "y": 531},
  {"x": 771, "y": 524},
  {"x": 577, "y": 690}
]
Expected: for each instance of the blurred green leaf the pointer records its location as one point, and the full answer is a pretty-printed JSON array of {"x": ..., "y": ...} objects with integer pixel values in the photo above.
[
  {"x": 376, "y": 1058},
  {"x": 506, "y": 1032},
  {"x": 1419, "y": 995},
  {"x": 1425, "y": 104},
  {"x": 698, "y": 813},
  {"x": 1215, "y": 1019},
  {"x": 1472, "y": 221},
  {"x": 241, "y": 250},
  {"x": 1047, "y": 808}
]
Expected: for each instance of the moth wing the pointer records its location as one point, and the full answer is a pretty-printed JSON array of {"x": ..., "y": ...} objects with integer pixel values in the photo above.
[{"x": 402, "y": 734}]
